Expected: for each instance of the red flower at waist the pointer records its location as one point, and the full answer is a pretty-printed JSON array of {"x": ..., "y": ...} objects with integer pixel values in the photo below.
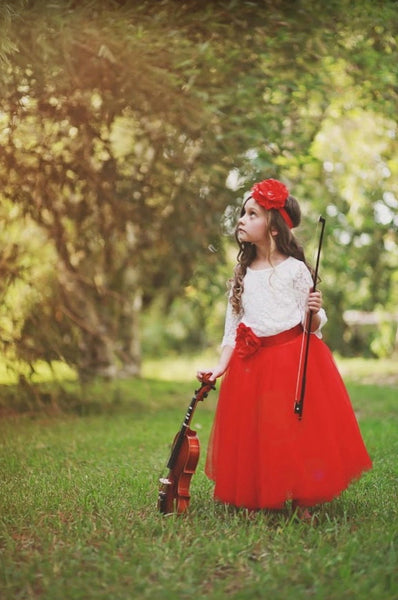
[{"x": 247, "y": 342}]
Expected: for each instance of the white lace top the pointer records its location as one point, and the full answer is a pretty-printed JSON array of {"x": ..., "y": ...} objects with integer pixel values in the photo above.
[{"x": 273, "y": 300}]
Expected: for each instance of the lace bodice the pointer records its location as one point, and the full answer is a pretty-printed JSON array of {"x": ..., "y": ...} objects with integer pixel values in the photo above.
[{"x": 273, "y": 300}]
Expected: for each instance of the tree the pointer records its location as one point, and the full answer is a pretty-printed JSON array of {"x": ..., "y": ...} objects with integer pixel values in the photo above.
[
  {"x": 111, "y": 171},
  {"x": 122, "y": 122}
]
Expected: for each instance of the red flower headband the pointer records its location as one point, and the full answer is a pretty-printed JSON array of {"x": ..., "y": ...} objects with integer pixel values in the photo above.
[{"x": 271, "y": 193}]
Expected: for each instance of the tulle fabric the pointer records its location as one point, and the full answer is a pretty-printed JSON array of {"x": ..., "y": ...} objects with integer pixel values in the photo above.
[{"x": 260, "y": 454}]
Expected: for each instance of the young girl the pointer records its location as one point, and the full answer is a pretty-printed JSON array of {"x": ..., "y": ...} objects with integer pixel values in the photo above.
[{"x": 260, "y": 454}]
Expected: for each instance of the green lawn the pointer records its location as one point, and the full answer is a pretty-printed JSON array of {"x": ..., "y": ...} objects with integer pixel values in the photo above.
[{"x": 79, "y": 517}]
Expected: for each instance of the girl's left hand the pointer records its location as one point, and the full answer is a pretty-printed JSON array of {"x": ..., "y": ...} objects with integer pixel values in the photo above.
[{"x": 315, "y": 301}]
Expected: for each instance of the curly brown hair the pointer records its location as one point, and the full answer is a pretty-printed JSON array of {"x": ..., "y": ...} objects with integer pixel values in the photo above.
[{"x": 285, "y": 241}]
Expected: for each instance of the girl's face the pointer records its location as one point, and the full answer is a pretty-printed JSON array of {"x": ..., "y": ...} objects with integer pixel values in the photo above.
[{"x": 253, "y": 224}]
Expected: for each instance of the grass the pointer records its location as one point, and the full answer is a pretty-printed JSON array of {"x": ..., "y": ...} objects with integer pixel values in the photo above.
[{"x": 78, "y": 516}]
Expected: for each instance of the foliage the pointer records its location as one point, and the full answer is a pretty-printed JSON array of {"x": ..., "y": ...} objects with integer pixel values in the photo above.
[
  {"x": 129, "y": 127},
  {"x": 105, "y": 162},
  {"x": 9, "y": 12}
]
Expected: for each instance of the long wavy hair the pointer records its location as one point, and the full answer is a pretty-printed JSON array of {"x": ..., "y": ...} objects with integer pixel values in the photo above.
[{"x": 285, "y": 242}]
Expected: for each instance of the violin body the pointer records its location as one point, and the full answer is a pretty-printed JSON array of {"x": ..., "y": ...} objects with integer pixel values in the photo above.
[{"x": 174, "y": 495}]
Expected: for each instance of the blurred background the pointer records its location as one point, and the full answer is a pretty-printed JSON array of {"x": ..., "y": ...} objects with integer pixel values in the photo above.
[{"x": 130, "y": 132}]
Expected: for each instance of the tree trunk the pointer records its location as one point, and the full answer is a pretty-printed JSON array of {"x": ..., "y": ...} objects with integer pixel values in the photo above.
[{"x": 106, "y": 326}]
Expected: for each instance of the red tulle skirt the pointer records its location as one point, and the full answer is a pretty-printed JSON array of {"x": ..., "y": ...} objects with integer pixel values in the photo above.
[{"x": 260, "y": 454}]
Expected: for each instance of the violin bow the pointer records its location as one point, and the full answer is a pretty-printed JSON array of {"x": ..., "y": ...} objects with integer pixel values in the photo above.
[{"x": 299, "y": 403}]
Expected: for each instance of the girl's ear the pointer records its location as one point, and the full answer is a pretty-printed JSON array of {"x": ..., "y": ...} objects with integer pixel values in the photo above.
[{"x": 274, "y": 232}]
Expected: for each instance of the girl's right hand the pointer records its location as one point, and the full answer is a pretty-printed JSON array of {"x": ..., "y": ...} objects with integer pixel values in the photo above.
[
  {"x": 209, "y": 374},
  {"x": 220, "y": 368}
]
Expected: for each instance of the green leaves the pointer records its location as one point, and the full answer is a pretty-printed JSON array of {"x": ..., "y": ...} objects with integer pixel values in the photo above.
[{"x": 123, "y": 121}]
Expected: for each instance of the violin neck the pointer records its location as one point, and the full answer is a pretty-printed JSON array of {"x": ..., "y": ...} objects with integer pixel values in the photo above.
[{"x": 180, "y": 436}]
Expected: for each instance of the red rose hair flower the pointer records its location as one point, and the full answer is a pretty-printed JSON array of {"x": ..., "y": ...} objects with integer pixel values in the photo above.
[{"x": 271, "y": 193}]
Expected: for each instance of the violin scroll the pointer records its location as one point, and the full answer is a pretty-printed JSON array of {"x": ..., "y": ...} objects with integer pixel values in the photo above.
[{"x": 206, "y": 386}]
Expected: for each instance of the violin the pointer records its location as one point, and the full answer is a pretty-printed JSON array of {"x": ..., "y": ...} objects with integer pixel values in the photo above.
[{"x": 174, "y": 493}]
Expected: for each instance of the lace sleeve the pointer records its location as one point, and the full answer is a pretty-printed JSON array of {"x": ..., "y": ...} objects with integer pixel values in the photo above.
[
  {"x": 302, "y": 284},
  {"x": 231, "y": 323}
]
